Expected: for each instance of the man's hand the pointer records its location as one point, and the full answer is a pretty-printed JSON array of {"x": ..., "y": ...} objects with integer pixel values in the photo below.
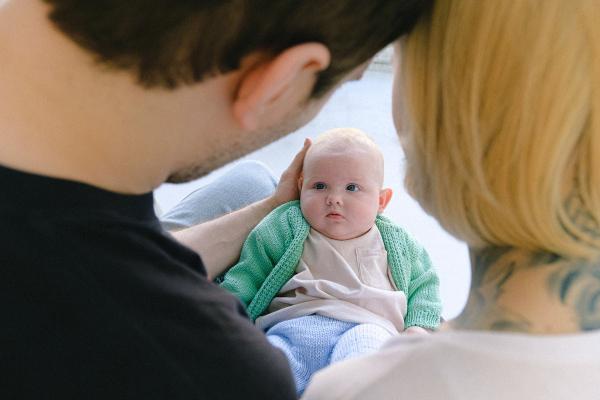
[{"x": 287, "y": 189}]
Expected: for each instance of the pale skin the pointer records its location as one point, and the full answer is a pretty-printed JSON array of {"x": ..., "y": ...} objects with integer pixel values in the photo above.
[
  {"x": 341, "y": 192},
  {"x": 65, "y": 116},
  {"x": 518, "y": 290}
]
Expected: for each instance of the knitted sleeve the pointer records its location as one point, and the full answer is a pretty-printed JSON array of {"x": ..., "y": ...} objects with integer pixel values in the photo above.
[
  {"x": 424, "y": 305},
  {"x": 260, "y": 253},
  {"x": 412, "y": 272},
  {"x": 246, "y": 277}
]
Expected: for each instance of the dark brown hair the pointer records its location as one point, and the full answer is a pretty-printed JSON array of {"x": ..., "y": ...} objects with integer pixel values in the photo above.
[{"x": 172, "y": 42}]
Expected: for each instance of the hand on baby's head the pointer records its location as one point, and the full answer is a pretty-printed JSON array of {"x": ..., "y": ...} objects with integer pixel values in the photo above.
[{"x": 341, "y": 185}]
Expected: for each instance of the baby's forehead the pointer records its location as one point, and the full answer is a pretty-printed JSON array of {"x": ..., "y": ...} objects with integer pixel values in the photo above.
[
  {"x": 344, "y": 159},
  {"x": 352, "y": 149},
  {"x": 345, "y": 139}
]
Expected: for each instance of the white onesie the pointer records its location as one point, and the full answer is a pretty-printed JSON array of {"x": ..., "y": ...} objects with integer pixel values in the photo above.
[{"x": 348, "y": 280}]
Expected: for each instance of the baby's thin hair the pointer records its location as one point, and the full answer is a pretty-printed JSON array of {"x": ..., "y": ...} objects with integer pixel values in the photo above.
[{"x": 341, "y": 138}]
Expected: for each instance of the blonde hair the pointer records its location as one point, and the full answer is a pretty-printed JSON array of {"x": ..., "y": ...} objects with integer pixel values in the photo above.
[{"x": 503, "y": 102}]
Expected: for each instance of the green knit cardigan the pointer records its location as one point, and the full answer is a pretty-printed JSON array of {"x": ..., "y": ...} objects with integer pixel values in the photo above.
[{"x": 273, "y": 249}]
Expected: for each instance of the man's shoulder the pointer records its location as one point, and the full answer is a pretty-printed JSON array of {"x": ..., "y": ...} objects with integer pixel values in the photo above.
[{"x": 134, "y": 303}]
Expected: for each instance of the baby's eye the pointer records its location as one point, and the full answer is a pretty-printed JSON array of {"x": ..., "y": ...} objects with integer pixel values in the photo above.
[
  {"x": 319, "y": 186},
  {"x": 352, "y": 187}
]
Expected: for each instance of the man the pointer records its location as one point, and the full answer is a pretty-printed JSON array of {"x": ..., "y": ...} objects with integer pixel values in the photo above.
[{"x": 101, "y": 102}]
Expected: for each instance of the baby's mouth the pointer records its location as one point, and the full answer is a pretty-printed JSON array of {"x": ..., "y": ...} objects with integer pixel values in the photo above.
[{"x": 334, "y": 215}]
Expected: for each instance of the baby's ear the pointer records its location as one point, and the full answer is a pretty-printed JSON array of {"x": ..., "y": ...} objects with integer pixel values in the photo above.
[
  {"x": 385, "y": 195},
  {"x": 300, "y": 182}
]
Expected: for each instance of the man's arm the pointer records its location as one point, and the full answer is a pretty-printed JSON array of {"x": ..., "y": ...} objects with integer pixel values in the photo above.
[{"x": 220, "y": 241}]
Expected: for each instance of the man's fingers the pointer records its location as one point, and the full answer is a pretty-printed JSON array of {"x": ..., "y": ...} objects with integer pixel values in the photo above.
[{"x": 298, "y": 160}]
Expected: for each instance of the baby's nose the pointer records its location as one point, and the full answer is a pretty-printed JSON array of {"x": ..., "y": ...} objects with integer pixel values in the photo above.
[{"x": 334, "y": 199}]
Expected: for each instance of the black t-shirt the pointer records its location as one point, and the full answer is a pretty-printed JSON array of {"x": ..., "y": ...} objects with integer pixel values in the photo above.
[{"x": 99, "y": 302}]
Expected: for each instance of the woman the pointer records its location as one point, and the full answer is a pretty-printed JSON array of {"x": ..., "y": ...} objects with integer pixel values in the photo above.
[{"x": 502, "y": 139}]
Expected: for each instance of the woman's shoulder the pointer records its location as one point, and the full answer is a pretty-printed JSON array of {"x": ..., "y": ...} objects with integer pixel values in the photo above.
[{"x": 480, "y": 364}]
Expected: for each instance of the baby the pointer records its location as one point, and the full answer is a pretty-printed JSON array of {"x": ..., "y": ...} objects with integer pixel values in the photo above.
[{"x": 328, "y": 278}]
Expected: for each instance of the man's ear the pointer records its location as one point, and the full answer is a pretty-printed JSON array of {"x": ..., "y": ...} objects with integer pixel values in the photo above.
[
  {"x": 277, "y": 80},
  {"x": 385, "y": 195}
]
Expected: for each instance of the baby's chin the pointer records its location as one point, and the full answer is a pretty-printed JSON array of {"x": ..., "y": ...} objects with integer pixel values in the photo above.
[{"x": 342, "y": 236}]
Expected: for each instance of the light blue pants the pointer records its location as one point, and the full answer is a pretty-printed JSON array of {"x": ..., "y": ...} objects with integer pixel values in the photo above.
[
  {"x": 312, "y": 342},
  {"x": 246, "y": 183}
]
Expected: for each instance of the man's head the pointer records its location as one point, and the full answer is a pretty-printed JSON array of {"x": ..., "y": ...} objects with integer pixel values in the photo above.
[
  {"x": 172, "y": 42},
  {"x": 341, "y": 185},
  {"x": 291, "y": 55},
  {"x": 133, "y": 93}
]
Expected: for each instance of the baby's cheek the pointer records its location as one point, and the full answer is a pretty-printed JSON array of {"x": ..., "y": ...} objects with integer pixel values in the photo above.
[{"x": 307, "y": 207}]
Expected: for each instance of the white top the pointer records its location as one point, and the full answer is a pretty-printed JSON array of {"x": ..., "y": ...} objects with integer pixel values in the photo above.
[
  {"x": 468, "y": 365},
  {"x": 343, "y": 279}
]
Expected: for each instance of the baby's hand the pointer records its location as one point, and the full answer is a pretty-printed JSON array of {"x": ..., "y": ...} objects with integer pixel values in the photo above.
[{"x": 416, "y": 330}]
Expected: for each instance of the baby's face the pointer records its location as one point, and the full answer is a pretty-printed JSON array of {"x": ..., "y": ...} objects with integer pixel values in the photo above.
[{"x": 340, "y": 192}]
